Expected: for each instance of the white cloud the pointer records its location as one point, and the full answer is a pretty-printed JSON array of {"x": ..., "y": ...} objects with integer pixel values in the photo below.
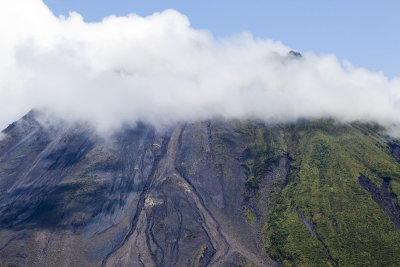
[{"x": 159, "y": 69}]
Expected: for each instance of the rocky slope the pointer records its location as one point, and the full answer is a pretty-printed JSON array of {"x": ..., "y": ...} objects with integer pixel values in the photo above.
[{"x": 214, "y": 193}]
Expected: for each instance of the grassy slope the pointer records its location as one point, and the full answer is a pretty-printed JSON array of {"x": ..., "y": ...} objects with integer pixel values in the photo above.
[{"x": 351, "y": 228}]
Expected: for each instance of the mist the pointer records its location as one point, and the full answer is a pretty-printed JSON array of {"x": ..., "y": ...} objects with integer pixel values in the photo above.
[{"x": 159, "y": 70}]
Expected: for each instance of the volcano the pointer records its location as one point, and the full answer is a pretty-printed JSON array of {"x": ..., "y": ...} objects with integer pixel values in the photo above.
[{"x": 210, "y": 193}]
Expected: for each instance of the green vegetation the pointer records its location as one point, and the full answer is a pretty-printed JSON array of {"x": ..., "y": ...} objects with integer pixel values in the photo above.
[
  {"x": 200, "y": 255},
  {"x": 326, "y": 161},
  {"x": 251, "y": 218}
]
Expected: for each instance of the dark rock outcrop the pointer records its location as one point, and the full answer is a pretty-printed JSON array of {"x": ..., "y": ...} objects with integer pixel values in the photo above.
[
  {"x": 382, "y": 196},
  {"x": 295, "y": 54}
]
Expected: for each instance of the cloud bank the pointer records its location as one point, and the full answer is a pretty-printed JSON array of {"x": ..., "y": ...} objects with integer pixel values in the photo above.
[{"x": 160, "y": 70}]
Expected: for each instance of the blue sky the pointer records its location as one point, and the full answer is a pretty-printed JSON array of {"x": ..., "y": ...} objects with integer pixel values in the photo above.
[{"x": 363, "y": 31}]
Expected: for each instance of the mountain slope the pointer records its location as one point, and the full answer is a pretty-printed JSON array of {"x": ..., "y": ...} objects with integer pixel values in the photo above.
[
  {"x": 214, "y": 193},
  {"x": 327, "y": 213}
]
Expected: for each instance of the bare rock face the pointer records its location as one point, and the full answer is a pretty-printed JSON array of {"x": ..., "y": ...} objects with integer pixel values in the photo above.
[{"x": 139, "y": 198}]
